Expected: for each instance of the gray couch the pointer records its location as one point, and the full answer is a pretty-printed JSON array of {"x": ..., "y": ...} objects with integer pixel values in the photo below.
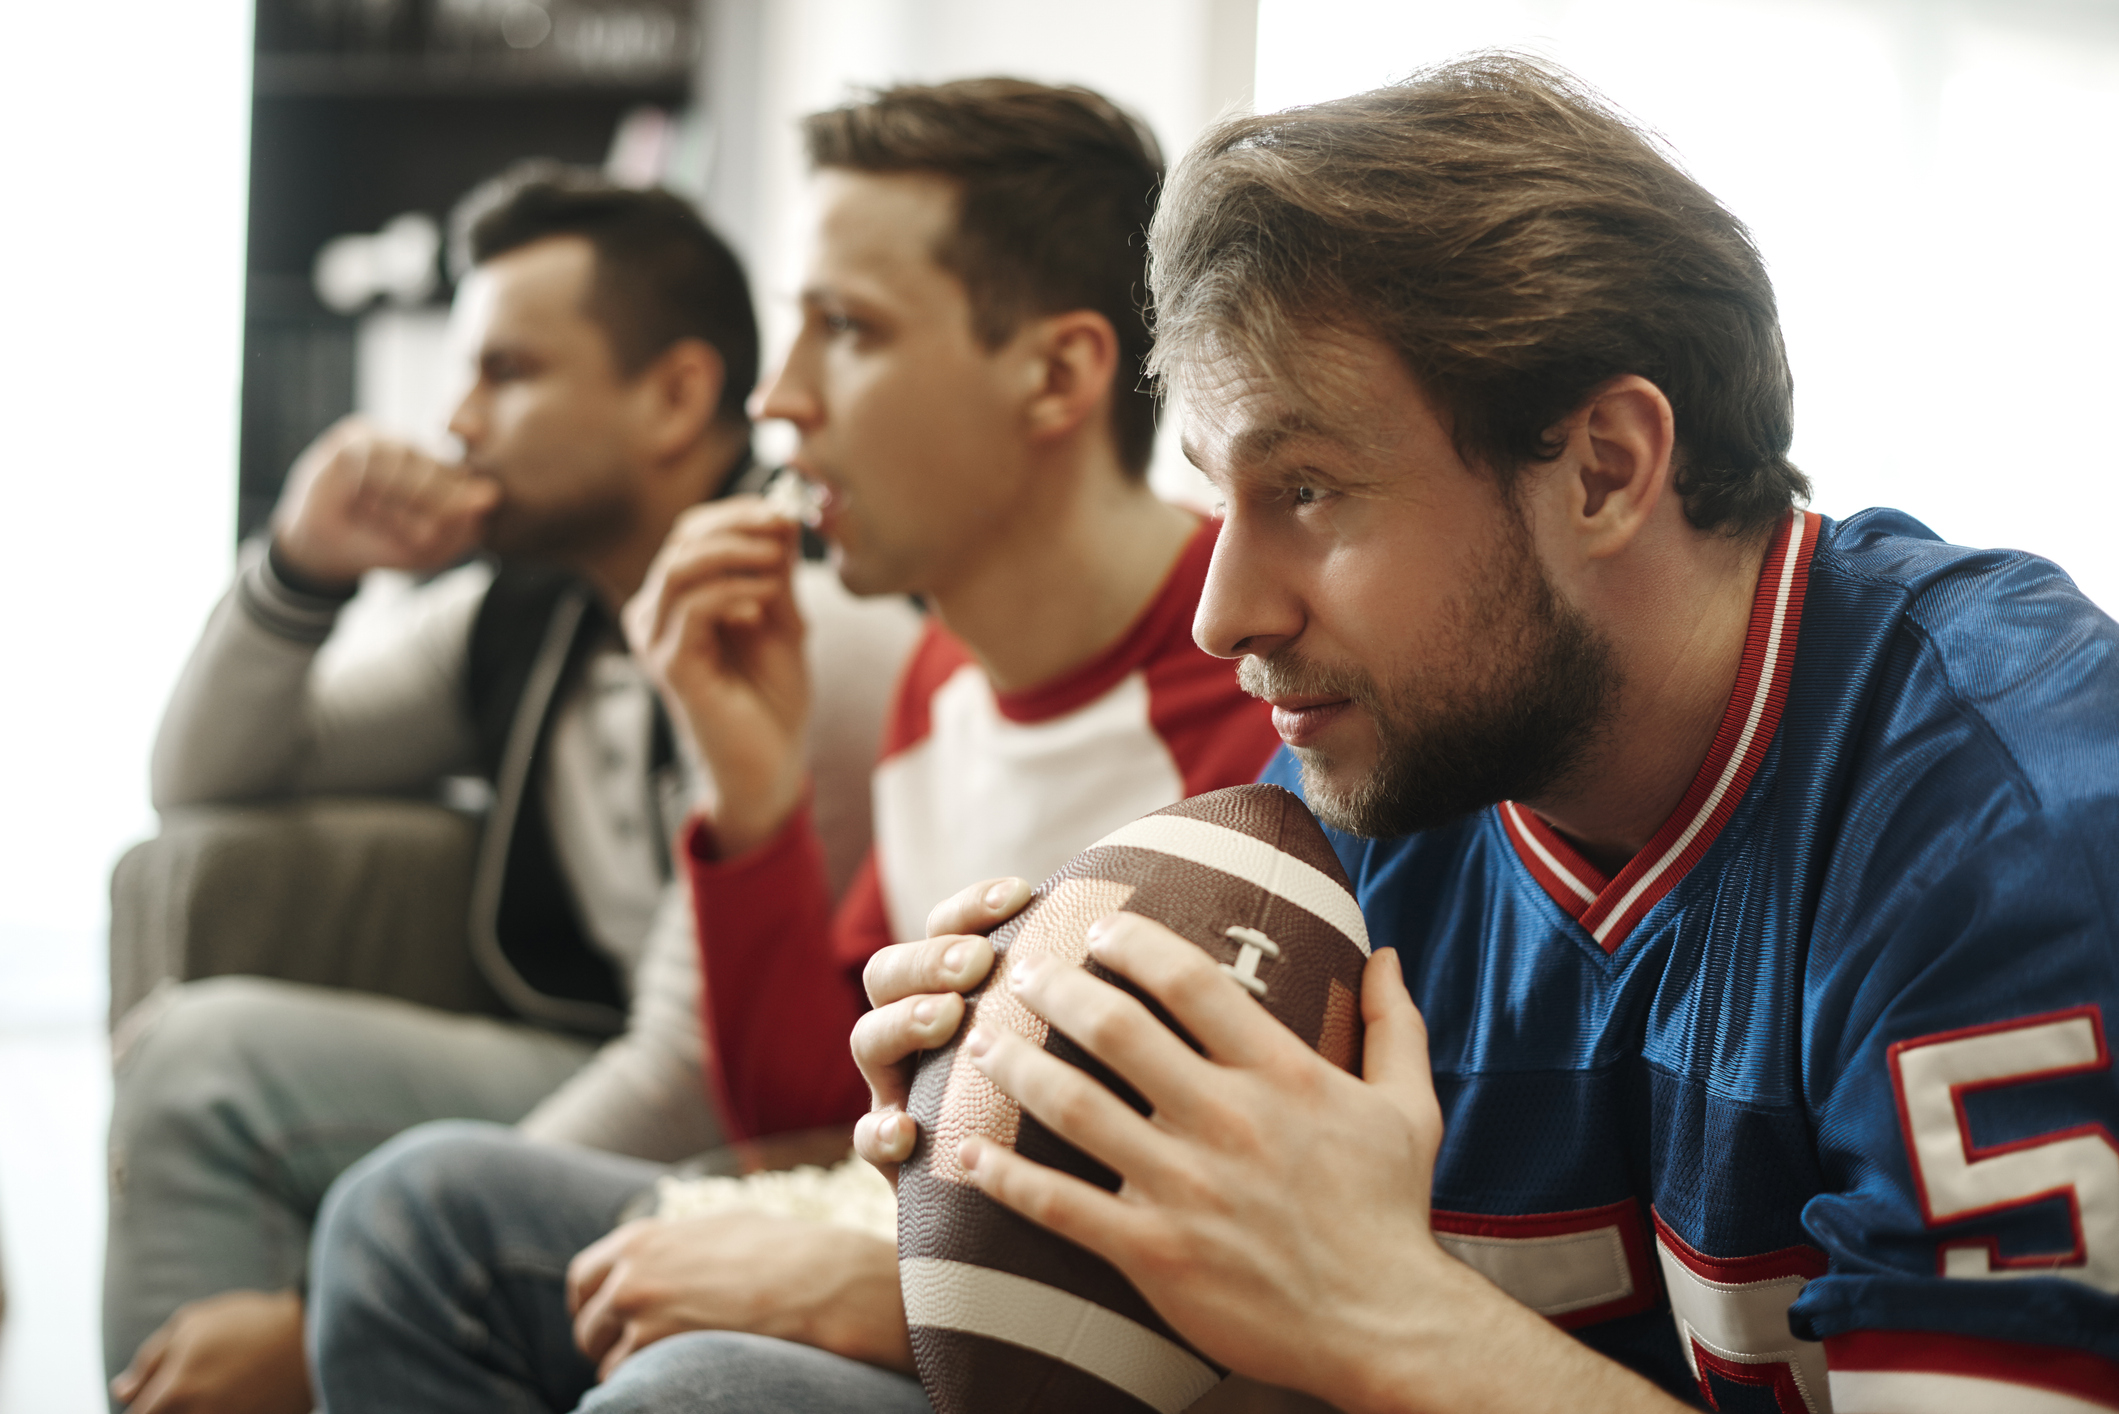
[{"x": 366, "y": 894}]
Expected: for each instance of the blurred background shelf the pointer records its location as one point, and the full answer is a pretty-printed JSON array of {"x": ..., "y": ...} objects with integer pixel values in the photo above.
[
  {"x": 364, "y": 110},
  {"x": 456, "y": 75}
]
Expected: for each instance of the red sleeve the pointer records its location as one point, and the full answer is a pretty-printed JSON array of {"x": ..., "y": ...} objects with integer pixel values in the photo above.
[
  {"x": 777, "y": 1004},
  {"x": 862, "y": 927},
  {"x": 779, "y": 975}
]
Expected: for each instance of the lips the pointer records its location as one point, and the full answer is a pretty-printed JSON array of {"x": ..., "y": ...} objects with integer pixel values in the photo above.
[{"x": 1302, "y": 721}]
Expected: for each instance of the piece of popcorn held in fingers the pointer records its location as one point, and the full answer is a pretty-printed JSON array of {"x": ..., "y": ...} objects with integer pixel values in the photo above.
[{"x": 792, "y": 497}]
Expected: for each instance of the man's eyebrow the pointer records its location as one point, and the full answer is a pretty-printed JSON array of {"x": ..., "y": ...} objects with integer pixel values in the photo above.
[
  {"x": 1255, "y": 444},
  {"x": 841, "y": 297}
]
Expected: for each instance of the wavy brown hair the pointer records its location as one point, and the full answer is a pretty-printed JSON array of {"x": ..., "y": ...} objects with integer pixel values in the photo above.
[{"x": 1518, "y": 242}]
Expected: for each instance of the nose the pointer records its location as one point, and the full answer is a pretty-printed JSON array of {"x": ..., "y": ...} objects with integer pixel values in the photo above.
[
  {"x": 791, "y": 393},
  {"x": 1248, "y": 607},
  {"x": 468, "y": 421}
]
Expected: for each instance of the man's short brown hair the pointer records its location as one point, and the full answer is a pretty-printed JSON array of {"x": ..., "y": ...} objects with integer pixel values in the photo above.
[
  {"x": 1056, "y": 189},
  {"x": 1517, "y": 241}
]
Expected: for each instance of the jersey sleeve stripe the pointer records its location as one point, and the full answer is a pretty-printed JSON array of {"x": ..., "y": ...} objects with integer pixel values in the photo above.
[
  {"x": 1878, "y": 1371},
  {"x": 1574, "y": 1268},
  {"x": 1800, "y": 1262}
]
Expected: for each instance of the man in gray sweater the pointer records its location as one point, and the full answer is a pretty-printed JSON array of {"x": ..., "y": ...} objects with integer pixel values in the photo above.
[{"x": 615, "y": 346}]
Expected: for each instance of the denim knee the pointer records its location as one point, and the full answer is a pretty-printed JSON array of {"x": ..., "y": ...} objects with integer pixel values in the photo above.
[
  {"x": 190, "y": 1061},
  {"x": 408, "y": 1182},
  {"x": 729, "y": 1372}
]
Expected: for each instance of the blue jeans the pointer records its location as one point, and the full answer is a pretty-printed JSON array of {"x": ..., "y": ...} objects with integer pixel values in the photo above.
[{"x": 438, "y": 1282}]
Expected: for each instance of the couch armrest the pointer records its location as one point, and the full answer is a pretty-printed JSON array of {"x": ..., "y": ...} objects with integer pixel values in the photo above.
[{"x": 367, "y": 894}]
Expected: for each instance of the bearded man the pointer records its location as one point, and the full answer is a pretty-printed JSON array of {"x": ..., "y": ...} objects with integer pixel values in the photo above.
[{"x": 1744, "y": 880}]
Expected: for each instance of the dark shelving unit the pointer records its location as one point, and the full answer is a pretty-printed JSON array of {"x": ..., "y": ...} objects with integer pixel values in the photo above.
[{"x": 362, "y": 110}]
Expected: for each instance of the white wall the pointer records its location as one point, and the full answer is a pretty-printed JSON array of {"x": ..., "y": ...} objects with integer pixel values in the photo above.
[
  {"x": 121, "y": 239},
  {"x": 1932, "y": 185},
  {"x": 123, "y": 249}
]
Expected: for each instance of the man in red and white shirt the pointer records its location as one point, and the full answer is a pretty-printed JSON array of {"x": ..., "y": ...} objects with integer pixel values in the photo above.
[
  {"x": 967, "y": 387},
  {"x": 1058, "y": 693},
  {"x": 977, "y": 780}
]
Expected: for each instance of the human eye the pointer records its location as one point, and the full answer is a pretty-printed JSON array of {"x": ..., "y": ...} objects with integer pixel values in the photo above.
[
  {"x": 1303, "y": 495},
  {"x": 837, "y": 323}
]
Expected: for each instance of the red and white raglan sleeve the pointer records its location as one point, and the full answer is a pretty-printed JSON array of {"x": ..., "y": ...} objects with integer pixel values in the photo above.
[{"x": 780, "y": 971}]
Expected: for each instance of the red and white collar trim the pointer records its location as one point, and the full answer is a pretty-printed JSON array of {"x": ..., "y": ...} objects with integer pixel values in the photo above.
[{"x": 1609, "y": 908}]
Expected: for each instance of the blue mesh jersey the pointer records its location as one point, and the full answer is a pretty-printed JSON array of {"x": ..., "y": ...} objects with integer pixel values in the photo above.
[{"x": 1812, "y": 1106}]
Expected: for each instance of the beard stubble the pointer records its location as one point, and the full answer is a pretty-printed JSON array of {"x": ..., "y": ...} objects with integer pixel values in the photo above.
[
  {"x": 565, "y": 534},
  {"x": 1529, "y": 690}
]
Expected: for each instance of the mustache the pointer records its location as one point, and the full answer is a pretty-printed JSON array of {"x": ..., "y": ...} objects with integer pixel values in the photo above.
[{"x": 1288, "y": 674}]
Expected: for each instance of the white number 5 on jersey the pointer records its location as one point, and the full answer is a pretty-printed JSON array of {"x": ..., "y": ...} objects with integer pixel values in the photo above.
[{"x": 1959, "y": 1181}]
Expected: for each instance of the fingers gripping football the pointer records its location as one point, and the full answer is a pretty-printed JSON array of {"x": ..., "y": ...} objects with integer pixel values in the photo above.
[
  {"x": 916, "y": 992},
  {"x": 978, "y": 908},
  {"x": 1225, "y": 1216},
  {"x": 1218, "y": 1012},
  {"x": 1119, "y": 1030}
]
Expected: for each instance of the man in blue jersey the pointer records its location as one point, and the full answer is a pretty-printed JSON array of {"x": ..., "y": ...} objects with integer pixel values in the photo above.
[{"x": 1748, "y": 879}]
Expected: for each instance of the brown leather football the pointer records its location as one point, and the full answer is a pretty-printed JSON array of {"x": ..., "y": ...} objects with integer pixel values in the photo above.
[{"x": 1006, "y": 1317}]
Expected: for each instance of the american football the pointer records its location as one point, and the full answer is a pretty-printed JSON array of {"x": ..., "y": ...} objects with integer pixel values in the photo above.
[{"x": 1006, "y": 1317}]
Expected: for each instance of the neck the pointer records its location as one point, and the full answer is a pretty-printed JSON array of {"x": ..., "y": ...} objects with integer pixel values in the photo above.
[
  {"x": 618, "y": 569},
  {"x": 1679, "y": 620},
  {"x": 1075, "y": 569}
]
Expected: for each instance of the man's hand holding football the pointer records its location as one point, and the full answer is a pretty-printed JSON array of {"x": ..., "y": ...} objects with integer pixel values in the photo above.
[
  {"x": 1273, "y": 1208},
  {"x": 358, "y": 500},
  {"x": 915, "y": 994},
  {"x": 717, "y": 627}
]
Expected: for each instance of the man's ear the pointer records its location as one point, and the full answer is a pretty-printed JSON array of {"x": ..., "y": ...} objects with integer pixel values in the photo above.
[
  {"x": 1619, "y": 451},
  {"x": 683, "y": 388},
  {"x": 1071, "y": 360}
]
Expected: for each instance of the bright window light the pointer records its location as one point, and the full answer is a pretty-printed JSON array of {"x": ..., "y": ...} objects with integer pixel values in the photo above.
[
  {"x": 118, "y": 378},
  {"x": 1931, "y": 186}
]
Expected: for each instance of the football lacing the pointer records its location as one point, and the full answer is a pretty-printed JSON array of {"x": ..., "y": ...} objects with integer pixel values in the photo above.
[{"x": 1255, "y": 945}]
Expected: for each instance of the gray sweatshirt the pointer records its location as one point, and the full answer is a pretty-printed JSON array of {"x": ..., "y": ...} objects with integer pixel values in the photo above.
[{"x": 288, "y": 696}]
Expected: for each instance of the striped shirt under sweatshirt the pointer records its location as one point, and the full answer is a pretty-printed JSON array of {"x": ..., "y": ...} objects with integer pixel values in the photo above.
[{"x": 972, "y": 783}]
